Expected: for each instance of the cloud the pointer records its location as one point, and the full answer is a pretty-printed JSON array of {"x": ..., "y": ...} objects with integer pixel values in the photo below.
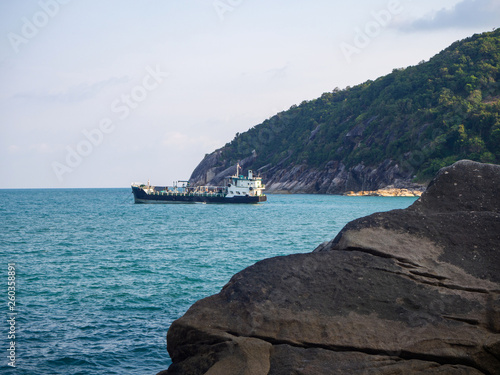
[
  {"x": 468, "y": 13},
  {"x": 76, "y": 93},
  {"x": 278, "y": 73}
]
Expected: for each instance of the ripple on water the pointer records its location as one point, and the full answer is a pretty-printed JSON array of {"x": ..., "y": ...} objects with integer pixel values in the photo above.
[{"x": 100, "y": 279}]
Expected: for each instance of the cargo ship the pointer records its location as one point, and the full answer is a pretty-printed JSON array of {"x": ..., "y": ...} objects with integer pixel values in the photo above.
[{"x": 237, "y": 189}]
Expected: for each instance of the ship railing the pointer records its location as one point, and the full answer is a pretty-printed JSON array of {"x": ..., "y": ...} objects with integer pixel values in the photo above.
[
  {"x": 213, "y": 191},
  {"x": 202, "y": 190},
  {"x": 193, "y": 193}
]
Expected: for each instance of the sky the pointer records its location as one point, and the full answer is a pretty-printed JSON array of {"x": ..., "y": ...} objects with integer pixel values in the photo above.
[{"x": 100, "y": 94}]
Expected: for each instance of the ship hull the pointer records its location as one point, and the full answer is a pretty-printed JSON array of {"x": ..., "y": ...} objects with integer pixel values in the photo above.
[{"x": 141, "y": 197}]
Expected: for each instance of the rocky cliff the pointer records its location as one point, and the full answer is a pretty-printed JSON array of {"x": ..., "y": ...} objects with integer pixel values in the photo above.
[
  {"x": 334, "y": 178},
  {"x": 404, "y": 292}
]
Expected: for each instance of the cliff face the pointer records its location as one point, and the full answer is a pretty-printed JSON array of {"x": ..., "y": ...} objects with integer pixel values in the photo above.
[
  {"x": 334, "y": 178},
  {"x": 407, "y": 291}
]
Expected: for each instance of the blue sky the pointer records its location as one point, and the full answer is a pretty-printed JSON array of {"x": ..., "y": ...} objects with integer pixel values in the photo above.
[{"x": 104, "y": 93}]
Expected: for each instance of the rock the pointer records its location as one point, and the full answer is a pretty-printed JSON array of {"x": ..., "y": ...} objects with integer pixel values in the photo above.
[
  {"x": 333, "y": 178},
  {"x": 213, "y": 169},
  {"x": 388, "y": 191},
  {"x": 403, "y": 292},
  {"x": 336, "y": 178},
  {"x": 464, "y": 186}
]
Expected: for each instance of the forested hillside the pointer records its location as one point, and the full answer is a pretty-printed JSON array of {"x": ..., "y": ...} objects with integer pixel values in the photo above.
[{"x": 400, "y": 128}]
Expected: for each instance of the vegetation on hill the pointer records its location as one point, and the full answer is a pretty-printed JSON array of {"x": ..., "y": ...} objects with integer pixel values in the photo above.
[{"x": 424, "y": 117}]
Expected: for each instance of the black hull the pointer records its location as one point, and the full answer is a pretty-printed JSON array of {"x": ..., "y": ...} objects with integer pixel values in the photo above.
[{"x": 140, "y": 196}]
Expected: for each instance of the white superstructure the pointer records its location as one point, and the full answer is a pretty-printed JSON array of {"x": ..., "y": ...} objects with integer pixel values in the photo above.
[{"x": 241, "y": 186}]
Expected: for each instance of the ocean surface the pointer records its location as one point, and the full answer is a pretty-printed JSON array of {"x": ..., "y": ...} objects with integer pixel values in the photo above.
[{"x": 99, "y": 280}]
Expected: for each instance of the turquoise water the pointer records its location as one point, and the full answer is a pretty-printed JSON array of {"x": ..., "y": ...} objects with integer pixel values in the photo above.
[{"x": 99, "y": 279}]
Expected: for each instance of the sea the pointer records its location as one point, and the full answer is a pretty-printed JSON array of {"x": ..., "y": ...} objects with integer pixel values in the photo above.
[{"x": 98, "y": 280}]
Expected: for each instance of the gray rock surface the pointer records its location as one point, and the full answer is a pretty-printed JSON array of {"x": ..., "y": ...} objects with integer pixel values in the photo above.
[
  {"x": 404, "y": 292},
  {"x": 334, "y": 178}
]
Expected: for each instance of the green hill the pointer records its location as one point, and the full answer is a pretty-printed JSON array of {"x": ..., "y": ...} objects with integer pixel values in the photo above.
[{"x": 401, "y": 128}]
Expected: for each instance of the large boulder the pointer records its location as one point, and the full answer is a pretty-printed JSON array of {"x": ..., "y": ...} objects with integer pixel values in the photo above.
[{"x": 406, "y": 291}]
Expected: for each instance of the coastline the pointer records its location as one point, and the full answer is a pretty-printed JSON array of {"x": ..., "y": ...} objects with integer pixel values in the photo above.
[{"x": 386, "y": 192}]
